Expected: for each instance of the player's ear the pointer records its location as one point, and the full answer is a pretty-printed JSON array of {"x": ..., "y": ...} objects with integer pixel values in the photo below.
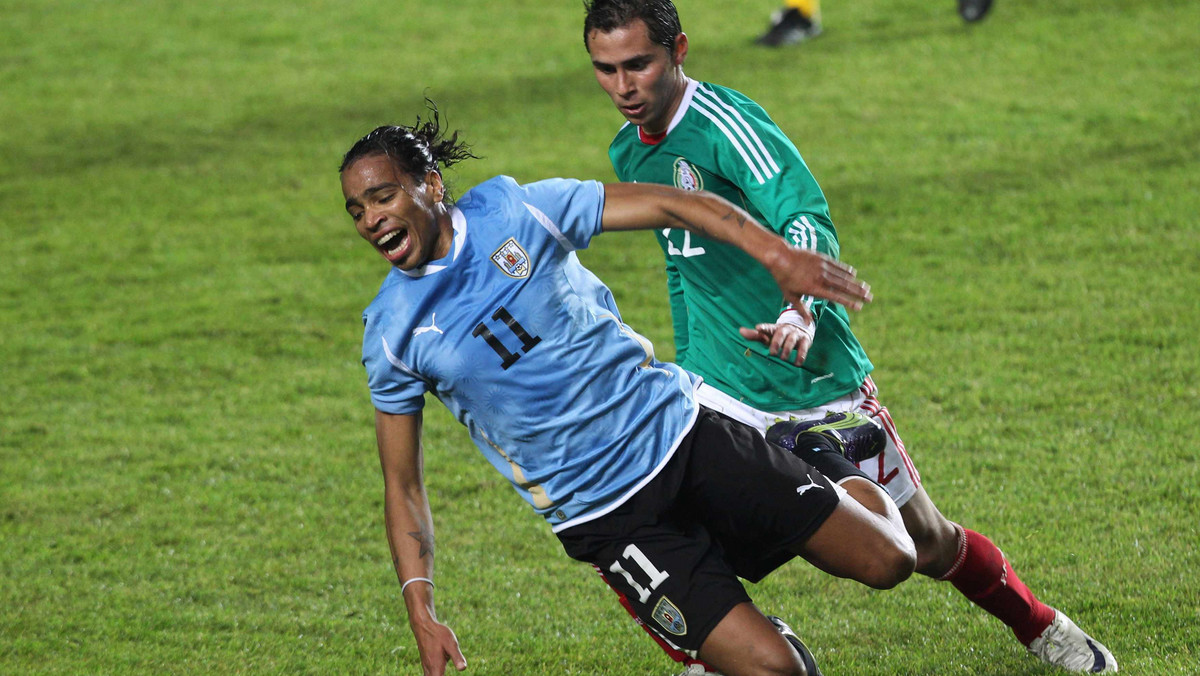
[
  {"x": 433, "y": 183},
  {"x": 679, "y": 53}
]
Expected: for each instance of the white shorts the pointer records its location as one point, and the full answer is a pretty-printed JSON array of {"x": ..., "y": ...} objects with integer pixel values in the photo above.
[{"x": 892, "y": 469}]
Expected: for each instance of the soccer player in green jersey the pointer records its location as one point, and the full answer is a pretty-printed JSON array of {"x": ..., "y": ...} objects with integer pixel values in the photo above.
[{"x": 701, "y": 136}]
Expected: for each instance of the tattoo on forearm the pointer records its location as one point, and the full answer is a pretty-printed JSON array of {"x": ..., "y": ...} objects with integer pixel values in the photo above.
[
  {"x": 736, "y": 216},
  {"x": 426, "y": 540}
]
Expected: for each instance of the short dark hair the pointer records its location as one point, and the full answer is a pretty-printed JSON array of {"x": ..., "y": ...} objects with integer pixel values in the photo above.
[
  {"x": 660, "y": 17},
  {"x": 416, "y": 150}
]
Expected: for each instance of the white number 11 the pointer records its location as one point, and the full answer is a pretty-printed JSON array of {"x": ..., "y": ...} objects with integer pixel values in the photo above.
[{"x": 656, "y": 576}]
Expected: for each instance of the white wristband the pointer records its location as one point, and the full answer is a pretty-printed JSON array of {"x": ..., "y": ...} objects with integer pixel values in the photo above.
[
  {"x": 790, "y": 316},
  {"x": 415, "y": 579}
]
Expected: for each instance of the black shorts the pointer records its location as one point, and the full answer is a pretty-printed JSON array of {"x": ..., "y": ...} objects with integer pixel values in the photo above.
[{"x": 727, "y": 505}]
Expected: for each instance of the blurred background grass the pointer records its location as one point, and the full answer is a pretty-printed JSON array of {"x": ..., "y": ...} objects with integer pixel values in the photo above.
[{"x": 188, "y": 480}]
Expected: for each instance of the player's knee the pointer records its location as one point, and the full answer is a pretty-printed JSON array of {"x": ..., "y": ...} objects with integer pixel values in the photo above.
[
  {"x": 774, "y": 658},
  {"x": 891, "y": 564},
  {"x": 781, "y": 663}
]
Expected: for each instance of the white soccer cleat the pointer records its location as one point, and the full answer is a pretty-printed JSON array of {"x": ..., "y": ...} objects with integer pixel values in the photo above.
[
  {"x": 697, "y": 670},
  {"x": 1065, "y": 645}
]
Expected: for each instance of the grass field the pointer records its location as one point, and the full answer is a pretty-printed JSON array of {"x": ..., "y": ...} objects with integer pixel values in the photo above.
[{"x": 188, "y": 479}]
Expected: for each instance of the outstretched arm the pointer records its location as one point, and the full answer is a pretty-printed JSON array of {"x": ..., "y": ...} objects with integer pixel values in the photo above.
[
  {"x": 410, "y": 536},
  {"x": 799, "y": 272}
]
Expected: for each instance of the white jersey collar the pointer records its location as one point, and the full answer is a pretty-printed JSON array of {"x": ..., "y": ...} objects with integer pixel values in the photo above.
[
  {"x": 459, "y": 223},
  {"x": 684, "y": 103}
]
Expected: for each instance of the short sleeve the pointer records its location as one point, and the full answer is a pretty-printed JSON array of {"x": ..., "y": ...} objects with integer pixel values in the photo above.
[
  {"x": 395, "y": 388},
  {"x": 569, "y": 209}
]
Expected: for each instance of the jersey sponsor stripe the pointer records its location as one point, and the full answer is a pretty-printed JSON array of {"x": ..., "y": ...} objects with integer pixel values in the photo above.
[
  {"x": 550, "y": 227},
  {"x": 799, "y": 235},
  {"x": 808, "y": 232},
  {"x": 709, "y": 101},
  {"x": 732, "y": 141},
  {"x": 804, "y": 236},
  {"x": 749, "y": 129},
  {"x": 715, "y": 105},
  {"x": 802, "y": 233}
]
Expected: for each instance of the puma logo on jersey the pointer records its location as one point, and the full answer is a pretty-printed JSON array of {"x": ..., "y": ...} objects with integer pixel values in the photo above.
[
  {"x": 809, "y": 486},
  {"x": 425, "y": 329}
]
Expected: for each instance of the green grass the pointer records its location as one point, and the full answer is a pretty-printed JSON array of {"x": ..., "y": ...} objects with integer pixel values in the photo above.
[{"x": 188, "y": 481}]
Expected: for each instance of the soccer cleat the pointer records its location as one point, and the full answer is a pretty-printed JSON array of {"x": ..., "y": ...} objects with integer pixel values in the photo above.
[
  {"x": 858, "y": 437},
  {"x": 1065, "y": 645},
  {"x": 810, "y": 664},
  {"x": 973, "y": 10},
  {"x": 789, "y": 26},
  {"x": 695, "y": 669}
]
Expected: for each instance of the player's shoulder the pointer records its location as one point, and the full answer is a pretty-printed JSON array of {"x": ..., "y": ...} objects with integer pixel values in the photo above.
[
  {"x": 627, "y": 133},
  {"x": 507, "y": 188},
  {"x": 491, "y": 190},
  {"x": 384, "y": 304},
  {"x": 496, "y": 197},
  {"x": 716, "y": 98},
  {"x": 625, "y": 142},
  {"x": 729, "y": 94}
]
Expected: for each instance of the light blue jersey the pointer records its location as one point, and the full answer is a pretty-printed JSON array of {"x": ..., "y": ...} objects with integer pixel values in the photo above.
[{"x": 526, "y": 348}]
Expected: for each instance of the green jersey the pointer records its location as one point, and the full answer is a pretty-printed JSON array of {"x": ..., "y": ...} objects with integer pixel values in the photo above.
[{"x": 721, "y": 141}]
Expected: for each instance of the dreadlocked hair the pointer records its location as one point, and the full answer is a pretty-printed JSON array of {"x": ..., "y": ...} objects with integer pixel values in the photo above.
[{"x": 416, "y": 150}]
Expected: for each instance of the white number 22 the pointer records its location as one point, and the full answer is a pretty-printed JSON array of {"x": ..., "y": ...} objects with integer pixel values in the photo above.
[
  {"x": 656, "y": 576},
  {"x": 688, "y": 249}
]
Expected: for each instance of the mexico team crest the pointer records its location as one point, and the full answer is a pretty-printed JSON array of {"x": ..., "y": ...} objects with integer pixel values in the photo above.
[
  {"x": 666, "y": 614},
  {"x": 687, "y": 177},
  {"x": 512, "y": 259}
]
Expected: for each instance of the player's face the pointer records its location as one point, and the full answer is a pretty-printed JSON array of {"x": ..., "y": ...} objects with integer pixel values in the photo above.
[
  {"x": 404, "y": 220},
  {"x": 644, "y": 80}
]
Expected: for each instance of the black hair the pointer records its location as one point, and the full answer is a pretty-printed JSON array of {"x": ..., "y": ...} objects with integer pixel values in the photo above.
[
  {"x": 416, "y": 150},
  {"x": 660, "y": 17}
]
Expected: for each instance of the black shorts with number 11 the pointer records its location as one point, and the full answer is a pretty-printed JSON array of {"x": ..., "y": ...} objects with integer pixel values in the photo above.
[{"x": 727, "y": 505}]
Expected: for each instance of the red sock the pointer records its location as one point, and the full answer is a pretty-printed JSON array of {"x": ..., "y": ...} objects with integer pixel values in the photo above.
[{"x": 983, "y": 575}]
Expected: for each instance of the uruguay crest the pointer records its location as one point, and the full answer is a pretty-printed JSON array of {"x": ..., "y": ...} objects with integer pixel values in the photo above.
[
  {"x": 687, "y": 177},
  {"x": 666, "y": 614},
  {"x": 512, "y": 259}
]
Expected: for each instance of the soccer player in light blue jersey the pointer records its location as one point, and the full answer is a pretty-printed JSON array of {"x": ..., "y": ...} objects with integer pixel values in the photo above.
[{"x": 487, "y": 308}]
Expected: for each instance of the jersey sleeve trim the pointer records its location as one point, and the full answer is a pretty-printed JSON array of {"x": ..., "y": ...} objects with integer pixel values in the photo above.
[
  {"x": 739, "y": 133},
  {"x": 395, "y": 361},
  {"x": 550, "y": 227},
  {"x": 803, "y": 234}
]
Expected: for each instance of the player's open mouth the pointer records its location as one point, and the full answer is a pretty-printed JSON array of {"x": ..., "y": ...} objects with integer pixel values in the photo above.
[
  {"x": 633, "y": 111},
  {"x": 393, "y": 245}
]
